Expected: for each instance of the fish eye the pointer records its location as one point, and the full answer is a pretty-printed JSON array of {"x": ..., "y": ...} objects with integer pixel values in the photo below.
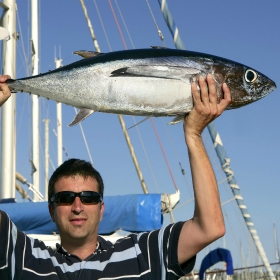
[{"x": 251, "y": 76}]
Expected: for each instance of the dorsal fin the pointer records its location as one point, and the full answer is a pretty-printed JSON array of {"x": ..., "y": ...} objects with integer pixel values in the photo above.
[
  {"x": 158, "y": 47},
  {"x": 87, "y": 54}
]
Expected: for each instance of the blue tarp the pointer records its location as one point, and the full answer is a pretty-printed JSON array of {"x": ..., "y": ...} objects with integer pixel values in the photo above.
[
  {"x": 134, "y": 213},
  {"x": 218, "y": 255}
]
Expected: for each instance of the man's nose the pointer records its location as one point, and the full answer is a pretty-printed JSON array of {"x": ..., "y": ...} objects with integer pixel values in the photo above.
[{"x": 77, "y": 205}]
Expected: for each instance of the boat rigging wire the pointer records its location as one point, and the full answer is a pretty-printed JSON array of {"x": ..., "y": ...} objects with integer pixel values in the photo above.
[
  {"x": 63, "y": 148},
  {"x": 124, "y": 23},
  {"x": 31, "y": 187},
  {"x": 146, "y": 155},
  {"x": 90, "y": 27},
  {"x": 178, "y": 159},
  {"x": 136, "y": 124},
  {"x": 117, "y": 23},
  {"x": 163, "y": 152},
  {"x": 25, "y": 62},
  {"x": 23, "y": 53},
  {"x": 103, "y": 27},
  {"x": 234, "y": 237},
  {"x": 158, "y": 30},
  {"x": 183, "y": 204}
]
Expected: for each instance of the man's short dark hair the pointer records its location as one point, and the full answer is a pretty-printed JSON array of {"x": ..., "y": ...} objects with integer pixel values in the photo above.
[{"x": 74, "y": 167}]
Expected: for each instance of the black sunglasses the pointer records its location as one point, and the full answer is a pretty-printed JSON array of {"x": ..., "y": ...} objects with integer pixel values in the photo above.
[{"x": 68, "y": 197}]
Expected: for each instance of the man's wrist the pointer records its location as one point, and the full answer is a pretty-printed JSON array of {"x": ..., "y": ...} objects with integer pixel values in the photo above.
[{"x": 192, "y": 139}]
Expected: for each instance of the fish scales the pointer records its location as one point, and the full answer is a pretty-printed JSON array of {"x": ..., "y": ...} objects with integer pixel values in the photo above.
[{"x": 145, "y": 82}]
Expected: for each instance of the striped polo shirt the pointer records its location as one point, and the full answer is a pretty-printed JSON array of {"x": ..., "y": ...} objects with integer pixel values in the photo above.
[{"x": 149, "y": 255}]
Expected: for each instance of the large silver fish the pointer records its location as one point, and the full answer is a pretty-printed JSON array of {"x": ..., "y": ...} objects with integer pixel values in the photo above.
[{"x": 143, "y": 82}]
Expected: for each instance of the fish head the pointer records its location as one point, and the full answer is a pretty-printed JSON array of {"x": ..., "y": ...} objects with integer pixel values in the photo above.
[{"x": 246, "y": 84}]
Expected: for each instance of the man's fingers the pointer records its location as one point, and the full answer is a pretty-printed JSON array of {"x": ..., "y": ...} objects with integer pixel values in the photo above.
[
  {"x": 227, "y": 98},
  {"x": 203, "y": 90},
  {"x": 195, "y": 93},
  {"x": 5, "y": 92},
  {"x": 4, "y": 78},
  {"x": 212, "y": 89}
]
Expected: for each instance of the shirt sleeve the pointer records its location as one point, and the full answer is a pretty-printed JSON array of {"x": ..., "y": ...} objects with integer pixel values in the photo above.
[
  {"x": 11, "y": 243},
  {"x": 160, "y": 248},
  {"x": 5, "y": 225}
]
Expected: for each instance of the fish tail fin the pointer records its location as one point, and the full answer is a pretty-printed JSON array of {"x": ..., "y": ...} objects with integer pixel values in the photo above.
[{"x": 10, "y": 82}]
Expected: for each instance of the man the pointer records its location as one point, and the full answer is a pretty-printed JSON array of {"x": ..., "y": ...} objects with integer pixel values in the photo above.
[{"x": 76, "y": 206}]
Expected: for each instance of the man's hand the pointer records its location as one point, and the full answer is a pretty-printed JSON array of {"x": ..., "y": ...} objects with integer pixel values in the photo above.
[
  {"x": 206, "y": 106},
  {"x": 4, "y": 89}
]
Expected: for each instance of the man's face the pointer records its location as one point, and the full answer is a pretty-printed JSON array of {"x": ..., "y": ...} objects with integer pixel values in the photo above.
[{"x": 77, "y": 223}]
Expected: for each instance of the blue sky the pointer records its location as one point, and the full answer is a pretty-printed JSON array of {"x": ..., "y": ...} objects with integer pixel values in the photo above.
[{"x": 243, "y": 31}]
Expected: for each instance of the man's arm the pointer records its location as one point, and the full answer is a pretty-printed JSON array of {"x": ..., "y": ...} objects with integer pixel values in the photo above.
[{"x": 207, "y": 224}]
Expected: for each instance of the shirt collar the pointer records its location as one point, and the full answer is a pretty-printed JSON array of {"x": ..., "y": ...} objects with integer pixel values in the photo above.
[{"x": 102, "y": 244}]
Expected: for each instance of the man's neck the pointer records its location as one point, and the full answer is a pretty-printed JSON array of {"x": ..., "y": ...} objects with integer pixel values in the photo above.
[{"x": 81, "y": 250}]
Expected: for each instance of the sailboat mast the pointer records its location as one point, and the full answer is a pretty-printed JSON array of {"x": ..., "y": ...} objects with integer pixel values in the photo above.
[
  {"x": 8, "y": 158},
  {"x": 220, "y": 151},
  {"x": 35, "y": 99},
  {"x": 47, "y": 157},
  {"x": 58, "y": 63}
]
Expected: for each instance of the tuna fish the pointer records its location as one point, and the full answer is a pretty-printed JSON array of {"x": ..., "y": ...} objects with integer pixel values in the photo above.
[{"x": 143, "y": 82}]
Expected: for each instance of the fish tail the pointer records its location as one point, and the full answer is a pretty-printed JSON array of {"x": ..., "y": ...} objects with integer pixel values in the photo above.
[{"x": 10, "y": 82}]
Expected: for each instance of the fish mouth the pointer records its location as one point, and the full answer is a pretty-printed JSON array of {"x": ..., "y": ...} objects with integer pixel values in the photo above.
[
  {"x": 274, "y": 86},
  {"x": 263, "y": 91},
  {"x": 270, "y": 87}
]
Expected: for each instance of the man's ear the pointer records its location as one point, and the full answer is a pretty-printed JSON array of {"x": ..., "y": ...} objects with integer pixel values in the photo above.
[{"x": 51, "y": 212}]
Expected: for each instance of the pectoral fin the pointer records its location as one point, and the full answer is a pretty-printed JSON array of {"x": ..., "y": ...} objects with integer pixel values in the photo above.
[
  {"x": 87, "y": 54},
  {"x": 177, "y": 119},
  {"x": 82, "y": 114},
  {"x": 158, "y": 71}
]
